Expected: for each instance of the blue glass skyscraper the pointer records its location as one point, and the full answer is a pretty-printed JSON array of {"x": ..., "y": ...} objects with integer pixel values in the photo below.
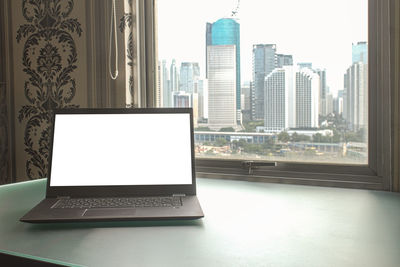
[
  {"x": 226, "y": 31},
  {"x": 360, "y": 52}
]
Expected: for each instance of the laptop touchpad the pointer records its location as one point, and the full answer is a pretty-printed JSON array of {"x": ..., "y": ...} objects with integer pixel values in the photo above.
[{"x": 115, "y": 212}]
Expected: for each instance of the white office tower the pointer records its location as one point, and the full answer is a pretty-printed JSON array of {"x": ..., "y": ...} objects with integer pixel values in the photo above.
[
  {"x": 355, "y": 96},
  {"x": 221, "y": 73},
  {"x": 279, "y": 100},
  {"x": 307, "y": 98}
]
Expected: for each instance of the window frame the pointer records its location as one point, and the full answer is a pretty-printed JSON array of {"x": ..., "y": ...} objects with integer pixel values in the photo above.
[{"x": 376, "y": 175}]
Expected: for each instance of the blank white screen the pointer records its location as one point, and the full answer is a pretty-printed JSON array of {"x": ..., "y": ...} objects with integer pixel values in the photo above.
[{"x": 121, "y": 149}]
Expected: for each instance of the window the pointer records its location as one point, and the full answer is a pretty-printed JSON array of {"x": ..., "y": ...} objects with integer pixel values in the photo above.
[{"x": 325, "y": 136}]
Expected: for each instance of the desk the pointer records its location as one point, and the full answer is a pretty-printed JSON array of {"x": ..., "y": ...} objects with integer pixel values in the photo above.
[{"x": 245, "y": 224}]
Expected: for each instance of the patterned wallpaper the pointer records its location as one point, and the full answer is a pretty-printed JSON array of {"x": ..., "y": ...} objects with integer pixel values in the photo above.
[
  {"x": 126, "y": 23},
  {"x": 58, "y": 58},
  {"x": 49, "y": 58}
]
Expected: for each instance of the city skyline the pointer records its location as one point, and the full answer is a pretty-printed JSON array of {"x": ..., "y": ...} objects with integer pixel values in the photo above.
[{"x": 321, "y": 45}]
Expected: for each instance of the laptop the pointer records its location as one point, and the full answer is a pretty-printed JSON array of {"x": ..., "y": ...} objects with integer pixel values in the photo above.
[{"x": 120, "y": 164}]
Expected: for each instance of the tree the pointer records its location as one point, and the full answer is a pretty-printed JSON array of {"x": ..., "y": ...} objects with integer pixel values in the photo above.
[
  {"x": 283, "y": 137},
  {"x": 252, "y": 125},
  {"x": 221, "y": 142},
  {"x": 300, "y": 137},
  {"x": 317, "y": 138}
]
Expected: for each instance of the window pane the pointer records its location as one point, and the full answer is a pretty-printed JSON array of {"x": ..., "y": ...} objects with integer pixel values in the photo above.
[{"x": 270, "y": 80}]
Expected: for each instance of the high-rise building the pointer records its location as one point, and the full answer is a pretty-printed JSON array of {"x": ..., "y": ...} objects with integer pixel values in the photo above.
[
  {"x": 221, "y": 73},
  {"x": 307, "y": 98},
  {"x": 208, "y": 41},
  {"x": 322, "y": 92},
  {"x": 355, "y": 96},
  {"x": 181, "y": 99},
  {"x": 283, "y": 60},
  {"x": 200, "y": 87},
  {"x": 195, "y": 105},
  {"x": 246, "y": 92},
  {"x": 246, "y": 101},
  {"x": 226, "y": 31},
  {"x": 329, "y": 104},
  {"x": 280, "y": 100},
  {"x": 307, "y": 65},
  {"x": 360, "y": 52},
  {"x": 264, "y": 62},
  {"x": 167, "y": 92},
  {"x": 160, "y": 85},
  {"x": 189, "y": 73},
  {"x": 174, "y": 77},
  {"x": 355, "y": 93},
  {"x": 338, "y": 103}
]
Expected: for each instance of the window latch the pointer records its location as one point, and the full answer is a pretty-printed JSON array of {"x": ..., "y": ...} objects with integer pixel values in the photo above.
[{"x": 250, "y": 165}]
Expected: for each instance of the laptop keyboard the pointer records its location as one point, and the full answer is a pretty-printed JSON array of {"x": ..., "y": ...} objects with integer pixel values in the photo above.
[{"x": 88, "y": 203}]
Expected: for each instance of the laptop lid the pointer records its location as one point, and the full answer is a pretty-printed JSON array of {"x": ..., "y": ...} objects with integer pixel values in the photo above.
[{"x": 121, "y": 152}]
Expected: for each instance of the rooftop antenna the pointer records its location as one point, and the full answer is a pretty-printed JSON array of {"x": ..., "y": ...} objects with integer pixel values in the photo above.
[{"x": 235, "y": 11}]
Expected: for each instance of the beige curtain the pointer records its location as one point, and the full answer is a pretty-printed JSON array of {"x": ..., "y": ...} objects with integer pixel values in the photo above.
[{"x": 395, "y": 69}]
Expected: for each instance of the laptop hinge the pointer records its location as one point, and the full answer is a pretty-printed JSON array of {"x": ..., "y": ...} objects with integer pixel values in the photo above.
[
  {"x": 62, "y": 197},
  {"x": 179, "y": 195}
]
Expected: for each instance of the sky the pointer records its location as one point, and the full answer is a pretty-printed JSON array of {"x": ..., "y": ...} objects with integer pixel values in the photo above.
[{"x": 316, "y": 31}]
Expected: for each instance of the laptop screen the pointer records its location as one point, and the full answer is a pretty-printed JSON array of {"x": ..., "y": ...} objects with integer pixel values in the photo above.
[{"x": 121, "y": 149}]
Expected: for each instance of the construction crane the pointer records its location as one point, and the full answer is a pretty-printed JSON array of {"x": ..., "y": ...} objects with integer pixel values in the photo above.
[{"x": 235, "y": 11}]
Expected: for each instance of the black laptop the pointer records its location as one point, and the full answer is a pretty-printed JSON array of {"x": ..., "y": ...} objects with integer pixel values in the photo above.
[{"x": 120, "y": 164}]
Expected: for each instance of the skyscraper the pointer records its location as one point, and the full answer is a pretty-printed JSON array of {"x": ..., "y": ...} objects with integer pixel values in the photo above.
[
  {"x": 338, "y": 103},
  {"x": 181, "y": 99},
  {"x": 355, "y": 95},
  {"x": 201, "y": 88},
  {"x": 246, "y": 101},
  {"x": 174, "y": 77},
  {"x": 189, "y": 73},
  {"x": 307, "y": 97},
  {"x": 360, "y": 52},
  {"x": 283, "y": 60},
  {"x": 167, "y": 92},
  {"x": 322, "y": 92},
  {"x": 329, "y": 103},
  {"x": 226, "y": 31},
  {"x": 264, "y": 62},
  {"x": 221, "y": 73},
  {"x": 280, "y": 101},
  {"x": 160, "y": 85}
]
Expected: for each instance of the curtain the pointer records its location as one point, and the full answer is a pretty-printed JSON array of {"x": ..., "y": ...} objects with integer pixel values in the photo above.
[{"x": 395, "y": 84}]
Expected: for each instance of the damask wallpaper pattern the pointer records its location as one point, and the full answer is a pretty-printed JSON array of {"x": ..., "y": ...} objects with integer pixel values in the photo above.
[
  {"x": 126, "y": 25},
  {"x": 49, "y": 58}
]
